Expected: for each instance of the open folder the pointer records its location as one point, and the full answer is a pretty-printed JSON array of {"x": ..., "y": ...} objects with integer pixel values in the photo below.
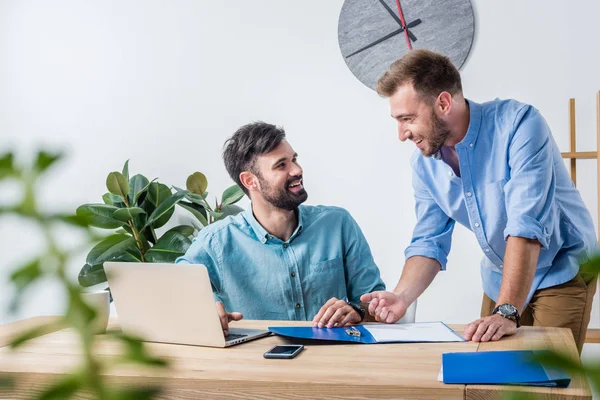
[
  {"x": 513, "y": 367},
  {"x": 374, "y": 333}
]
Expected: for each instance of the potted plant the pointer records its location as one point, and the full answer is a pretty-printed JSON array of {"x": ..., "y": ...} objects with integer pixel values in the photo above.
[{"x": 136, "y": 207}]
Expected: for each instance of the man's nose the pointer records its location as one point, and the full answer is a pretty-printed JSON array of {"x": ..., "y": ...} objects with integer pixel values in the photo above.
[
  {"x": 403, "y": 134},
  {"x": 296, "y": 170}
]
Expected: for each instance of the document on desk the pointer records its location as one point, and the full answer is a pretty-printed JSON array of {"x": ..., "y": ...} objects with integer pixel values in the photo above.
[
  {"x": 417, "y": 332},
  {"x": 420, "y": 332}
]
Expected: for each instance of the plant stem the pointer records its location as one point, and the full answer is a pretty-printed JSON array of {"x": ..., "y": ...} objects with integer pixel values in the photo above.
[{"x": 138, "y": 241}]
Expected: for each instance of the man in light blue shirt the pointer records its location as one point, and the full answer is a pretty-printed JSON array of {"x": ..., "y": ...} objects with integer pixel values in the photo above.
[
  {"x": 494, "y": 168},
  {"x": 281, "y": 260}
]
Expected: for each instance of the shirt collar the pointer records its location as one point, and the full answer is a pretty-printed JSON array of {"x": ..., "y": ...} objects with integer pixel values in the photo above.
[
  {"x": 475, "y": 112},
  {"x": 262, "y": 234}
]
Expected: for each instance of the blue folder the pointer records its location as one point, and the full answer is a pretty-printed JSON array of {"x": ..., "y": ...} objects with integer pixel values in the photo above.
[
  {"x": 351, "y": 334},
  {"x": 518, "y": 367}
]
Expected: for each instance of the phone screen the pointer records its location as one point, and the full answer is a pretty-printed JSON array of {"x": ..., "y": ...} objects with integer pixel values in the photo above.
[{"x": 289, "y": 350}]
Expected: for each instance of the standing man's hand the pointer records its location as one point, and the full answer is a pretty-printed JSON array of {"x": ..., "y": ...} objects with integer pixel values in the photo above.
[
  {"x": 490, "y": 328},
  {"x": 385, "y": 306},
  {"x": 336, "y": 313},
  {"x": 226, "y": 317}
]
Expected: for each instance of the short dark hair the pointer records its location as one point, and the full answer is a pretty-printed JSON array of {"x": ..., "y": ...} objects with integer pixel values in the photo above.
[
  {"x": 248, "y": 142},
  {"x": 430, "y": 74}
]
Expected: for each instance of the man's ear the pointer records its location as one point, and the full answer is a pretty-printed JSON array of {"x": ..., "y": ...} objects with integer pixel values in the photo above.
[
  {"x": 444, "y": 103},
  {"x": 249, "y": 180}
]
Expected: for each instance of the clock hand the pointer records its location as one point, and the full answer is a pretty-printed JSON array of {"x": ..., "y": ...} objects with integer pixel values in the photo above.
[
  {"x": 403, "y": 24},
  {"x": 389, "y": 10},
  {"x": 410, "y": 25},
  {"x": 386, "y": 37}
]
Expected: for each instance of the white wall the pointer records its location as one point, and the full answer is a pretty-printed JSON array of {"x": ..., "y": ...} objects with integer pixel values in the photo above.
[{"x": 164, "y": 83}]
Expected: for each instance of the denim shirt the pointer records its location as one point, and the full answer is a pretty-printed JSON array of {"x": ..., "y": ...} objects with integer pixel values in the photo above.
[
  {"x": 267, "y": 278},
  {"x": 513, "y": 183}
]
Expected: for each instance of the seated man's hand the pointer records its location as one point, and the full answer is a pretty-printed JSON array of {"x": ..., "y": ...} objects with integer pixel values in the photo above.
[
  {"x": 226, "y": 317},
  {"x": 385, "y": 306},
  {"x": 335, "y": 313},
  {"x": 490, "y": 328}
]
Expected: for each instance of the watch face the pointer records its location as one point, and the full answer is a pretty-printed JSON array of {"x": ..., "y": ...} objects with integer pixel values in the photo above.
[
  {"x": 374, "y": 33},
  {"x": 507, "y": 309}
]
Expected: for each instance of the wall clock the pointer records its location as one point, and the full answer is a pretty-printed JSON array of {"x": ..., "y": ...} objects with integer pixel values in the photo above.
[{"x": 374, "y": 33}]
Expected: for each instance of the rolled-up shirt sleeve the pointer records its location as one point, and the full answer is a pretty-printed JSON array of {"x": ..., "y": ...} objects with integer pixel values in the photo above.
[
  {"x": 529, "y": 192},
  {"x": 432, "y": 236}
]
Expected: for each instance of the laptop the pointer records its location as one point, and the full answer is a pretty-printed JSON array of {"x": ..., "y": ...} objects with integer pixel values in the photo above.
[{"x": 170, "y": 303}]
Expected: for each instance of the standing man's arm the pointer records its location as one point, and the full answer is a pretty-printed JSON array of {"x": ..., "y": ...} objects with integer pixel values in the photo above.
[
  {"x": 519, "y": 268},
  {"x": 425, "y": 257},
  {"x": 529, "y": 195}
]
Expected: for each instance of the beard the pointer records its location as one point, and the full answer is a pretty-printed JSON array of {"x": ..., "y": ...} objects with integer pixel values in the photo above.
[
  {"x": 283, "y": 198},
  {"x": 437, "y": 138}
]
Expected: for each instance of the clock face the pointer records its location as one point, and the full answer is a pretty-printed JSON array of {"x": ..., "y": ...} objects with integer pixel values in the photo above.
[{"x": 374, "y": 33}]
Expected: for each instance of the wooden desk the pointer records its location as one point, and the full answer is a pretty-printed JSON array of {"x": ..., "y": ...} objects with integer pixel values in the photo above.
[{"x": 339, "y": 371}]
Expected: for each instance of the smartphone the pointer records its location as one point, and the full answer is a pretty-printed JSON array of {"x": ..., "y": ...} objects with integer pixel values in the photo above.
[{"x": 284, "y": 351}]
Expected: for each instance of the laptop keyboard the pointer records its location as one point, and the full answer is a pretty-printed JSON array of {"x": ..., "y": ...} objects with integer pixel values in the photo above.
[{"x": 233, "y": 336}]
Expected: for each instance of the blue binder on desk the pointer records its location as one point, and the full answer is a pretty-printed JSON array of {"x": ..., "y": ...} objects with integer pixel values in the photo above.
[
  {"x": 374, "y": 333},
  {"x": 518, "y": 367}
]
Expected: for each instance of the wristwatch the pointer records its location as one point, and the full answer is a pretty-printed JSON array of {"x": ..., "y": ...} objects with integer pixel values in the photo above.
[
  {"x": 361, "y": 311},
  {"x": 508, "y": 311}
]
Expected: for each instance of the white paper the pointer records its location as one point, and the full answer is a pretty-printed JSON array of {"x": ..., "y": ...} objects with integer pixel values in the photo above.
[
  {"x": 417, "y": 332},
  {"x": 441, "y": 374}
]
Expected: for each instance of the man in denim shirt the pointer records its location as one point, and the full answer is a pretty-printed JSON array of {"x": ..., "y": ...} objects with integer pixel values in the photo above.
[
  {"x": 281, "y": 260},
  {"x": 494, "y": 168}
]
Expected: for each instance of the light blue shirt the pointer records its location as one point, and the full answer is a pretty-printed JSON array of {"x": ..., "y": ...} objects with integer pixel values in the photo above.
[
  {"x": 266, "y": 278},
  {"x": 513, "y": 183}
]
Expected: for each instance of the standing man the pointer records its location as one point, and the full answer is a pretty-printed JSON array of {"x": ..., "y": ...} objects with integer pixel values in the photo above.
[
  {"x": 494, "y": 168},
  {"x": 281, "y": 260}
]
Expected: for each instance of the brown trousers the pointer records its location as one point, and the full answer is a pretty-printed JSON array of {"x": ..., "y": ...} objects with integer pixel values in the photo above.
[{"x": 566, "y": 306}]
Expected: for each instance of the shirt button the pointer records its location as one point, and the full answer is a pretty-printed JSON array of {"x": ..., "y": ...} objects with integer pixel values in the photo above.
[
  {"x": 501, "y": 266},
  {"x": 476, "y": 225},
  {"x": 469, "y": 194},
  {"x": 270, "y": 236},
  {"x": 470, "y": 144},
  {"x": 449, "y": 173},
  {"x": 264, "y": 240},
  {"x": 293, "y": 274},
  {"x": 285, "y": 245},
  {"x": 487, "y": 250},
  {"x": 297, "y": 305}
]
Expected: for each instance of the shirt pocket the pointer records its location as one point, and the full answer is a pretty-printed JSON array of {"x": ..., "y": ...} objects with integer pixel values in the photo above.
[{"x": 325, "y": 279}]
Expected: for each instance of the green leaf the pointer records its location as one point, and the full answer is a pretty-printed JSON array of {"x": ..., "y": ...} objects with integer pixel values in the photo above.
[
  {"x": 216, "y": 215},
  {"x": 135, "y": 351},
  {"x": 6, "y": 382},
  {"x": 79, "y": 313},
  {"x": 230, "y": 209},
  {"x": 231, "y": 195},
  {"x": 126, "y": 214},
  {"x": 75, "y": 220},
  {"x": 197, "y": 183},
  {"x": 185, "y": 230},
  {"x": 110, "y": 248},
  {"x": 165, "y": 209},
  {"x": 45, "y": 159},
  {"x": 107, "y": 199},
  {"x": 117, "y": 184},
  {"x": 197, "y": 211},
  {"x": 157, "y": 193},
  {"x": 126, "y": 170},
  {"x": 34, "y": 332},
  {"x": 139, "y": 184},
  {"x": 27, "y": 274},
  {"x": 170, "y": 246},
  {"x": 64, "y": 388},
  {"x": 91, "y": 275},
  {"x": 99, "y": 215},
  {"x": 7, "y": 167}
]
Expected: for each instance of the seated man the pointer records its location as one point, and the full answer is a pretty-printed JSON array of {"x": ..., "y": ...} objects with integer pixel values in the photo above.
[{"x": 280, "y": 260}]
